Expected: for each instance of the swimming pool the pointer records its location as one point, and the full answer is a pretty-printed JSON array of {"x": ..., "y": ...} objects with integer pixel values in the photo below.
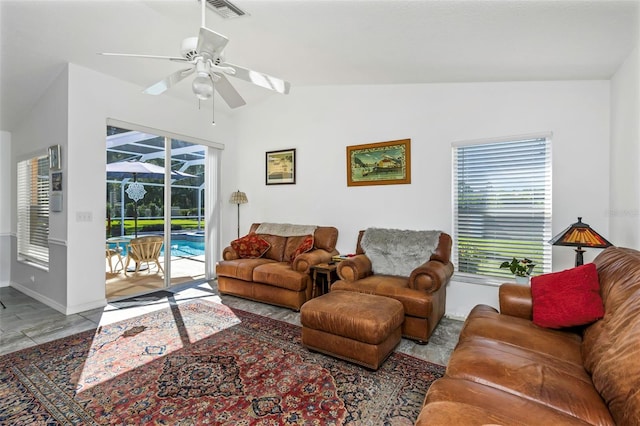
[
  {"x": 182, "y": 248},
  {"x": 193, "y": 246}
]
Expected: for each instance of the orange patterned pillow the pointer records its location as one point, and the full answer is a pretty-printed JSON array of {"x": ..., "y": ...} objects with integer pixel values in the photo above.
[
  {"x": 250, "y": 246},
  {"x": 305, "y": 246}
]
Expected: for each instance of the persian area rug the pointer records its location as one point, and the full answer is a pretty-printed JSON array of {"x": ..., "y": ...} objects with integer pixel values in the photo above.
[{"x": 202, "y": 363}]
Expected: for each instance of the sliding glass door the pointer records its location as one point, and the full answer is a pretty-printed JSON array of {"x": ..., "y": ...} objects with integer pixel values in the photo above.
[
  {"x": 155, "y": 212},
  {"x": 187, "y": 212}
]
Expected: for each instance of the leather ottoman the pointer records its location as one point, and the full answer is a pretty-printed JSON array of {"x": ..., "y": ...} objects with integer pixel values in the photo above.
[{"x": 357, "y": 327}]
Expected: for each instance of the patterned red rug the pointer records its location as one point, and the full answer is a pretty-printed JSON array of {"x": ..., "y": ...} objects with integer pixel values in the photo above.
[{"x": 203, "y": 363}]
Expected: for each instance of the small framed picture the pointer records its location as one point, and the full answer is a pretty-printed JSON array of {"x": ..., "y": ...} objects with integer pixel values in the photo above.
[
  {"x": 56, "y": 181},
  {"x": 54, "y": 157},
  {"x": 281, "y": 167}
]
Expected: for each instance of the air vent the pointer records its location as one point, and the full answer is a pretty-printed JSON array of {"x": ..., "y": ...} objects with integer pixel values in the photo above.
[{"x": 226, "y": 9}]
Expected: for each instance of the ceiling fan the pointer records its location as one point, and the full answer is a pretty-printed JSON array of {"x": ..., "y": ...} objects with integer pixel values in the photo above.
[{"x": 205, "y": 56}]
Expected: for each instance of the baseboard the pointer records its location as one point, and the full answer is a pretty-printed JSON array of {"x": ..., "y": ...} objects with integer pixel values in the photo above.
[
  {"x": 86, "y": 307},
  {"x": 456, "y": 316},
  {"x": 39, "y": 297},
  {"x": 67, "y": 310}
]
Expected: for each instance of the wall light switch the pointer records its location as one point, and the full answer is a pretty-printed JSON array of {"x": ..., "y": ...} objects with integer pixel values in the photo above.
[{"x": 84, "y": 216}]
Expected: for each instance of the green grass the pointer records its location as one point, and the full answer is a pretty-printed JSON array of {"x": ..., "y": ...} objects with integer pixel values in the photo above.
[{"x": 153, "y": 224}]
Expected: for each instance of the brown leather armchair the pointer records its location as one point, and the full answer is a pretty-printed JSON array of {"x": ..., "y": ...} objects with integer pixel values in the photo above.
[{"x": 423, "y": 293}]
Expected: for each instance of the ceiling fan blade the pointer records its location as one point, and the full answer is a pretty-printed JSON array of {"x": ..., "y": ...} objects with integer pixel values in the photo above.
[
  {"x": 228, "y": 92},
  {"x": 163, "y": 85},
  {"x": 210, "y": 43},
  {"x": 133, "y": 55},
  {"x": 260, "y": 79}
]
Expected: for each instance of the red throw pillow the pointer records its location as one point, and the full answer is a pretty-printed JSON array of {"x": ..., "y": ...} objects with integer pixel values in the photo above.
[
  {"x": 305, "y": 246},
  {"x": 568, "y": 298},
  {"x": 250, "y": 246}
]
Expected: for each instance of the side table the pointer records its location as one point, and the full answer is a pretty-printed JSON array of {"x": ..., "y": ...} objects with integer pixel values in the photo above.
[{"x": 323, "y": 274}]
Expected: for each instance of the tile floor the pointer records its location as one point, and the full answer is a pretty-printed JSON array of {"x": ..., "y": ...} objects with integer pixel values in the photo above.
[{"x": 26, "y": 322}]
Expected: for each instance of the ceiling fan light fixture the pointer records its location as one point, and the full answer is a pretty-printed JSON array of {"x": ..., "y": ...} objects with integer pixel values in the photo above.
[{"x": 202, "y": 86}]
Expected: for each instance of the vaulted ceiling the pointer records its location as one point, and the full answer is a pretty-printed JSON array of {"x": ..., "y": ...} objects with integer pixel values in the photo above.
[{"x": 316, "y": 42}]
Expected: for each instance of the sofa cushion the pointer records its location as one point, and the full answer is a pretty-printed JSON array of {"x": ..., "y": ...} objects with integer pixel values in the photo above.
[
  {"x": 462, "y": 402},
  {"x": 250, "y": 246},
  {"x": 485, "y": 321},
  {"x": 567, "y": 298},
  {"x": 298, "y": 245},
  {"x": 278, "y": 244},
  {"x": 280, "y": 274},
  {"x": 241, "y": 269},
  {"x": 530, "y": 375},
  {"x": 325, "y": 238}
]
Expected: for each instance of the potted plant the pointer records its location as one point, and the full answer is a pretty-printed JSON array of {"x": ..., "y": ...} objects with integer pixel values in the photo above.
[{"x": 520, "y": 268}]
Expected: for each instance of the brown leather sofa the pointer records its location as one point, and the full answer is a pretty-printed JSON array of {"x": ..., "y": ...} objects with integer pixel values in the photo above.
[
  {"x": 273, "y": 278},
  {"x": 506, "y": 370},
  {"x": 423, "y": 293}
]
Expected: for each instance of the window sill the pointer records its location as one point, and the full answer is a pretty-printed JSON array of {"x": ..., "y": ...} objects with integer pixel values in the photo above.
[
  {"x": 34, "y": 264},
  {"x": 480, "y": 279}
]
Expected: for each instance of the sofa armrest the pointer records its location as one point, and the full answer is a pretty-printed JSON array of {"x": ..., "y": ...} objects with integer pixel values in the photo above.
[
  {"x": 516, "y": 301},
  {"x": 431, "y": 276},
  {"x": 304, "y": 261},
  {"x": 229, "y": 254},
  {"x": 354, "y": 268}
]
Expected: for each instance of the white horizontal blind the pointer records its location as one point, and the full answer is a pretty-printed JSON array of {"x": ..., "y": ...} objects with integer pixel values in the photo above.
[
  {"x": 502, "y": 205},
  {"x": 33, "y": 210}
]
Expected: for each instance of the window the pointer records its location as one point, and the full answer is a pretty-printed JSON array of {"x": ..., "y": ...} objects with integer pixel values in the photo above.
[
  {"x": 502, "y": 204},
  {"x": 33, "y": 210}
]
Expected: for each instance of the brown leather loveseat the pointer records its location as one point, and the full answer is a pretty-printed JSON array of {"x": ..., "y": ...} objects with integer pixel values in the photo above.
[
  {"x": 422, "y": 292},
  {"x": 506, "y": 370},
  {"x": 275, "y": 277}
]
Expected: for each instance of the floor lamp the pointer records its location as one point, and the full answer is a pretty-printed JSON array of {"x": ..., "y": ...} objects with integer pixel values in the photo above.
[{"x": 238, "y": 198}]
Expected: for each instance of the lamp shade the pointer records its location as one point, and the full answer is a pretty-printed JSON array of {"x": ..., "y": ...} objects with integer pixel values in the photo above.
[
  {"x": 580, "y": 235},
  {"x": 238, "y": 198}
]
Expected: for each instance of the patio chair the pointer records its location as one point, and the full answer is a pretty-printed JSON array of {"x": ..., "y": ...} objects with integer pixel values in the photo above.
[
  {"x": 109, "y": 253},
  {"x": 144, "y": 250}
]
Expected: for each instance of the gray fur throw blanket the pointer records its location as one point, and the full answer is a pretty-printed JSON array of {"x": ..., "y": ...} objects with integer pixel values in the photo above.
[
  {"x": 398, "y": 252},
  {"x": 285, "y": 229}
]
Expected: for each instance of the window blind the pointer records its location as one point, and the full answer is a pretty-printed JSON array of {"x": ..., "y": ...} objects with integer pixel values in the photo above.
[
  {"x": 502, "y": 205},
  {"x": 33, "y": 210}
]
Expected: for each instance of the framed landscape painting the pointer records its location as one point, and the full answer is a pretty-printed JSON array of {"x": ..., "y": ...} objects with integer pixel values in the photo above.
[
  {"x": 381, "y": 163},
  {"x": 281, "y": 167}
]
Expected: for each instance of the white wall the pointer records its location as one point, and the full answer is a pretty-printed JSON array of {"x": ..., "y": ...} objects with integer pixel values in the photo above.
[
  {"x": 625, "y": 154},
  {"x": 5, "y": 208},
  {"x": 45, "y": 125},
  {"x": 74, "y": 114},
  {"x": 321, "y": 121}
]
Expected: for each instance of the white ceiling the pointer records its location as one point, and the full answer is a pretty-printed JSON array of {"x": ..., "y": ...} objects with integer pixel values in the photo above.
[{"x": 311, "y": 42}]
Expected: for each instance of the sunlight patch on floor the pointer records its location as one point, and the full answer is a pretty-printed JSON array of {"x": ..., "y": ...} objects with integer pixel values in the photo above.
[{"x": 117, "y": 357}]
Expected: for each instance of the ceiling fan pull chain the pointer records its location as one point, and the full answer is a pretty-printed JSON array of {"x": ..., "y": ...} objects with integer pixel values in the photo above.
[{"x": 213, "y": 110}]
